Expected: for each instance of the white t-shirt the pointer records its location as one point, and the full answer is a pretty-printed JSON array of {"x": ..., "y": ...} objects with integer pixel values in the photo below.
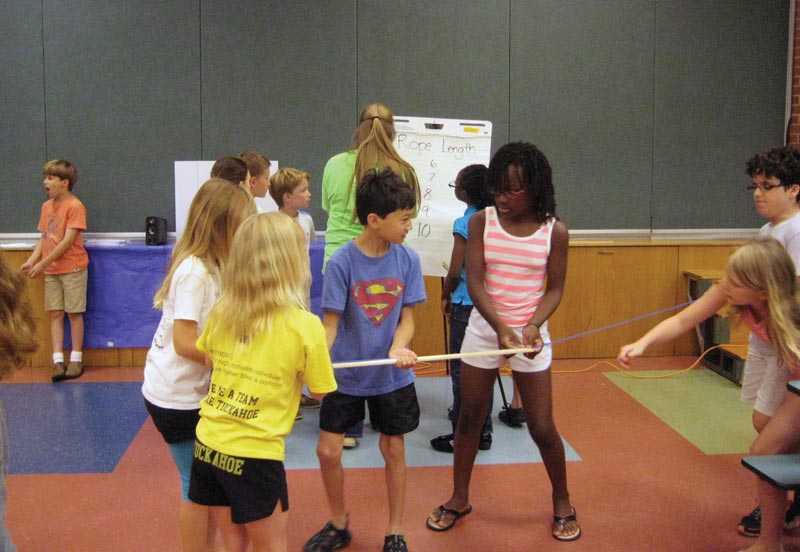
[
  {"x": 788, "y": 233},
  {"x": 307, "y": 224},
  {"x": 171, "y": 380}
]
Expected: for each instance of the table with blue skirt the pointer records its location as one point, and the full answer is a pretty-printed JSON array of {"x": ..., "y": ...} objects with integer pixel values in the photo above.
[{"x": 123, "y": 277}]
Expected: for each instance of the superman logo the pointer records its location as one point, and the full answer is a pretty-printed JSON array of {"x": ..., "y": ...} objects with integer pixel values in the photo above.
[{"x": 377, "y": 298}]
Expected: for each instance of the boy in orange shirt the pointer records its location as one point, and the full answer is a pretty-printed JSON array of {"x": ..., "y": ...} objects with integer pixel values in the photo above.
[{"x": 61, "y": 257}]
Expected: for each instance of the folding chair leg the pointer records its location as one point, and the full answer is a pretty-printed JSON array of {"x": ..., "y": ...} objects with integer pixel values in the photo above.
[{"x": 502, "y": 392}]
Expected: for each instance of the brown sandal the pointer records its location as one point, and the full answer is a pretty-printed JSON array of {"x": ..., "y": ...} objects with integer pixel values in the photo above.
[{"x": 563, "y": 527}]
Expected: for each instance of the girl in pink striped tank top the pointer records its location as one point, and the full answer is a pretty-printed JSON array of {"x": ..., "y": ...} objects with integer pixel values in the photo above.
[{"x": 516, "y": 264}]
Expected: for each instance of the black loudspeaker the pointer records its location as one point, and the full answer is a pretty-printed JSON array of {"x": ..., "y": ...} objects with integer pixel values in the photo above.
[{"x": 155, "y": 231}]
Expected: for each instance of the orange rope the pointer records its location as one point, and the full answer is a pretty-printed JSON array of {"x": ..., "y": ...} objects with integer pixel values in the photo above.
[{"x": 426, "y": 369}]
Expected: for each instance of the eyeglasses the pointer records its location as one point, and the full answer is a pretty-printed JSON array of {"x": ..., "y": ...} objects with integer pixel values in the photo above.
[
  {"x": 451, "y": 184},
  {"x": 507, "y": 193},
  {"x": 763, "y": 188}
]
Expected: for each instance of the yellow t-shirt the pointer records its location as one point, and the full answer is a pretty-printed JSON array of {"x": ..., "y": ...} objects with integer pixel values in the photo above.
[{"x": 255, "y": 390}]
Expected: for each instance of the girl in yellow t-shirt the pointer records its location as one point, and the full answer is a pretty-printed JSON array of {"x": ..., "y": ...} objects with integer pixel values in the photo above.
[{"x": 264, "y": 345}]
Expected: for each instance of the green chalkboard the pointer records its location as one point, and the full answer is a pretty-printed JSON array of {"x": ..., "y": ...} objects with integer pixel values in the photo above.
[{"x": 646, "y": 109}]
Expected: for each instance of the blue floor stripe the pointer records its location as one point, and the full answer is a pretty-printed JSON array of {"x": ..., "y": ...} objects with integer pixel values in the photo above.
[
  {"x": 80, "y": 427},
  {"x": 510, "y": 446},
  {"x": 71, "y": 427}
]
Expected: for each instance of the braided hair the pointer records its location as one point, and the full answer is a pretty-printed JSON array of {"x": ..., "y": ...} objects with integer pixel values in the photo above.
[
  {"x": 537, "y": 176},
  {"x": 473, "y": 182}
]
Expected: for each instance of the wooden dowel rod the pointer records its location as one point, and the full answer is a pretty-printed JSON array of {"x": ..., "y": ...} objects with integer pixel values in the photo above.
[{"x": 433, "y": 358}]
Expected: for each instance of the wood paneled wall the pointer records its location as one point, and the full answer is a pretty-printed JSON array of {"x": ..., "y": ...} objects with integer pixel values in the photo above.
[{"x": 607, "y": 284}]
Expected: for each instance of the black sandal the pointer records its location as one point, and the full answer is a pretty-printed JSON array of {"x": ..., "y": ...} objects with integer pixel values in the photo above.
[
  {"x": 441, "y": 511},
  {"x": 560, "y": 526}
]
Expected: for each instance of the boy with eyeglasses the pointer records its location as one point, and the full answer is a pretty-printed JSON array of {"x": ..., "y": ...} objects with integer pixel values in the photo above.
[{"x": 776, "y": 192}]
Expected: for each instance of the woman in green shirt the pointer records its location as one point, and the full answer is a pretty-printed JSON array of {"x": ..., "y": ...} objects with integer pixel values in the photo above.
[{"x": 371, "y": 148}]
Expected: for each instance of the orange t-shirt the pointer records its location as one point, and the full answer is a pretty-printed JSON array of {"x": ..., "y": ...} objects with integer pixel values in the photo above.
[{"x": 56, "y": 218}]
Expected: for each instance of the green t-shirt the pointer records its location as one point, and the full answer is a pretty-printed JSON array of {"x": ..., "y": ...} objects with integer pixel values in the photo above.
[{"x": 337, "y": 180}]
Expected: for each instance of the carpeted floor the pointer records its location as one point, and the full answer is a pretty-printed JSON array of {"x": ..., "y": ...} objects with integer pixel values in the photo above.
[
  {"x": 87, "y": 427},
  {"x": 696, "y": 396},
  {"x": 648, "y": 471}
]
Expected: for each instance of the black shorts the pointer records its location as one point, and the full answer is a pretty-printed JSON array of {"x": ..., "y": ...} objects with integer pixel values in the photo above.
[
  {"x": 395, "y": 413},
  {"x": 176, "y": 426},
  {"x": 251, "y": 487}
]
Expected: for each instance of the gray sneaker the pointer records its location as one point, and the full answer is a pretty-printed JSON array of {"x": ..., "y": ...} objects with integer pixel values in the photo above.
[{"x": 308, "y": 402}]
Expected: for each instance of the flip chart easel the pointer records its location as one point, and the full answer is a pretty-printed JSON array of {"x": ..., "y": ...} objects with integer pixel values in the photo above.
[{"x": 438, "y": 149}]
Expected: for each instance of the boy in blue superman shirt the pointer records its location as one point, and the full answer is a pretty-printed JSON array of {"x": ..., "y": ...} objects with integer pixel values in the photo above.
[{"x": 371, "y": 286}]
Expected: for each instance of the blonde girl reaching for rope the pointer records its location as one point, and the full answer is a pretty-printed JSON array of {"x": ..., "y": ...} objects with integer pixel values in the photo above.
[{"x": 761, "y": 287}]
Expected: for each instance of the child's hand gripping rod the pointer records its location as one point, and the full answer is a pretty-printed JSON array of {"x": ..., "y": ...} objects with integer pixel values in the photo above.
[{"x": 434, "y": 358}]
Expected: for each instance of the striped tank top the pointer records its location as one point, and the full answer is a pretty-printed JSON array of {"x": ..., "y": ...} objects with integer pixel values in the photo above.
[{"x": 516, "y": 268}]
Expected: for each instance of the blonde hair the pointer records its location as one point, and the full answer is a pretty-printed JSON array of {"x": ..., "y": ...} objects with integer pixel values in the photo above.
[
  {"x": 17, "y": 323},
  {"x": 763, "y": 264},
  {"x": 284, "y": 182},
  {"x": 216, "y": 212},
  {"x": 372, "y": 142},
  {"x": 268, "y": 274}
]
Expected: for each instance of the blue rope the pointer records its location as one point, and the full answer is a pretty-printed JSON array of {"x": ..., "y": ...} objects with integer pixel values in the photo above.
[
  {"x": 648, "y": 315},
  {"x": 595, "y": 330}
]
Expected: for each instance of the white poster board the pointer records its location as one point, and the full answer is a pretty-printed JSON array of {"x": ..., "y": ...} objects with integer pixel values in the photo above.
[
  {"x": 190, "y": 175},
  {"x": 438, "y": 149}
]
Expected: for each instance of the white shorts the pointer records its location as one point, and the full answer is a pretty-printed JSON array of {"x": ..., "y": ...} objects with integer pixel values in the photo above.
[
  {"x": 764, "y": 380},
  {"x": 481, "y": 337}
]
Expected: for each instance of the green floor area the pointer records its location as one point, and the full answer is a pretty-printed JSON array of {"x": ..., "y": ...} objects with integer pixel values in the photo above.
[{"x": 700, "y": 404}]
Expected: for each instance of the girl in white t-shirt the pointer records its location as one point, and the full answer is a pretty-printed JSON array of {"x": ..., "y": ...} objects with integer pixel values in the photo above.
[{"x": 175, "y": 375}]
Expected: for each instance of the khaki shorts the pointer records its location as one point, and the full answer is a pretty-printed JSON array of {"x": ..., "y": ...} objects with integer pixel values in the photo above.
[{"x": 66, "y": 292}]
